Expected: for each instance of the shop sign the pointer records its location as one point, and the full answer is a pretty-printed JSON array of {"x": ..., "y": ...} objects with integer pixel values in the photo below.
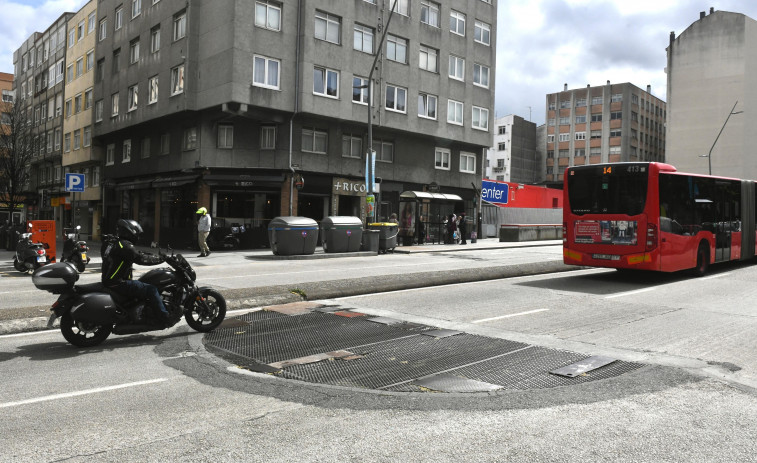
[{"x": 343, "y": 186}]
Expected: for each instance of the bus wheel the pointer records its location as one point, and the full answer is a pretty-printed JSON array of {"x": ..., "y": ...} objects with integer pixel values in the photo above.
[{"x": 703, "y": 259}]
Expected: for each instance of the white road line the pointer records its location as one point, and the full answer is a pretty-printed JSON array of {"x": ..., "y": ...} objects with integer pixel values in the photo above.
[
  {"x": 509, "y": 316},
  {"x": 78, "y": 393},
  {"x": 711, "y": 277},
  {"x": 630, "y": 293}
]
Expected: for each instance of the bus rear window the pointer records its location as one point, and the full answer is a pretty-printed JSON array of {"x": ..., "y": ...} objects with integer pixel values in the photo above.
[{"x": 608, "y": 189}]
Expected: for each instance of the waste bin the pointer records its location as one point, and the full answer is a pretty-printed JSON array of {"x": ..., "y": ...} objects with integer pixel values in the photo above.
[
  {"x": 370, "y": 241},
  {"x": 341, "y": 234},
  {"x": 290, "y": 236},
  {"x": 387, "y": 235}
]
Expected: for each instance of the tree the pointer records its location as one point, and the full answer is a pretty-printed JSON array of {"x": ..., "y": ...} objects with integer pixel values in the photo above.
[{"x": 16, "y": 151}]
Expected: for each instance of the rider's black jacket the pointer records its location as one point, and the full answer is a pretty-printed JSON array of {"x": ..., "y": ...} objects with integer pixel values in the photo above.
[{"x": 118, "y": 257}]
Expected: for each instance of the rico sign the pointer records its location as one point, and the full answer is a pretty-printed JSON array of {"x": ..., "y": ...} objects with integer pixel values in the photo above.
[{"x": 494, "y": 192}]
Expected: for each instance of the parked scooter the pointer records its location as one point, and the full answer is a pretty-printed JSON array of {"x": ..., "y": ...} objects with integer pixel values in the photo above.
[
  {"x": 89, "y": 313},
  {"x": 75, "y": 250},
  {"x": 29, "y": 256},
  {"x": 225, "y": 237}
]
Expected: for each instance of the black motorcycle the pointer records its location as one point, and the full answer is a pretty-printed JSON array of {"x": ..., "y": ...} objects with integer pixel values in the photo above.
[
  {"x": 89, "y": 313},
  {"x": 74, "y": 249},
  {"x": 224, "y": 237},
  {"x": 29, "y": 255}
]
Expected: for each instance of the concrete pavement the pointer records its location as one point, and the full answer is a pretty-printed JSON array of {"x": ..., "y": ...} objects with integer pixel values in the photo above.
[{"x": 13, "y": 320}]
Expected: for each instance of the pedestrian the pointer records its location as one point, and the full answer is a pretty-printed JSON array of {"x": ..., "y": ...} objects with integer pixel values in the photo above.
[
  {"x": 203, "y": 229},
  {"x": 451, "y": 228},
  {"x": 393, "y": 218},
  {"x": 463, "y": 228}
]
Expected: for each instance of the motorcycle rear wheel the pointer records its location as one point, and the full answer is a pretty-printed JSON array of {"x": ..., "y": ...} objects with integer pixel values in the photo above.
[
  {"x": 80, "y": 266},
  {"x": 82, "y": 334},
  {"x": 203, "y": 320}
]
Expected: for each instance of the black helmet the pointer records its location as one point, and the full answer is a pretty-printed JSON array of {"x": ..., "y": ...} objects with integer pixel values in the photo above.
[{"x": 129, "y": 229}]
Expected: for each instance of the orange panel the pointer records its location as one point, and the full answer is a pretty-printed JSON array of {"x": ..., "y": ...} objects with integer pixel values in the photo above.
[{"x": 43, "y": 231}]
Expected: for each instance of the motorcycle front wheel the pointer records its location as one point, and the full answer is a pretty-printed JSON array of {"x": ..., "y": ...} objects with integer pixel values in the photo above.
[
  {"x": 204, "y": 317},
  {"x": 19, "y": 265},
  {"x": 83, "y": 334}
]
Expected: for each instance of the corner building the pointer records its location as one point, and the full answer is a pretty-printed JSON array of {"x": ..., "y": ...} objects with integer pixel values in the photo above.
[
  {"x": 608, "y": 123},
  {"x": 221, "y": 104}
]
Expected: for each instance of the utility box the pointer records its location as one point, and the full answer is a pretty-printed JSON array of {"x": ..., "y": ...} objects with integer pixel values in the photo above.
[
  {"x": 387, "y": 235},
  {"x": 341, "y": 234},
  {"x": 370, "y": 241},
  {"x": 43, "y": 231},
  {"x": 290, "y": 236}
]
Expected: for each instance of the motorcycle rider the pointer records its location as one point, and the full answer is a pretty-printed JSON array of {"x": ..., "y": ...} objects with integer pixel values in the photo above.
[{"x": 118, "y": 258}]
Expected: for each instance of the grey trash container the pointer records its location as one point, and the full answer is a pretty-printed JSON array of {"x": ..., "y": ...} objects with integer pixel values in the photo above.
[
  {"x": 387, "y": 235},
  {"x": 370, "y": 241},
  {"x": 341, "y": 234},
  {"x": 289, "y": 236}
]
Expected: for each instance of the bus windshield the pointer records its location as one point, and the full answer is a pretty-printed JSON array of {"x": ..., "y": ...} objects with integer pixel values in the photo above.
[{"x": 608, "y": 189}]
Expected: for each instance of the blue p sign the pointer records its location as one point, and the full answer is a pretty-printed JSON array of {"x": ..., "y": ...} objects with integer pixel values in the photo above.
[{"x": 75, "y": 183}]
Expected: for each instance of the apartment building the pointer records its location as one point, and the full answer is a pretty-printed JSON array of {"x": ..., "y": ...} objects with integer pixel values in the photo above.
[
  {"x": 709, "y": 68},
  {"x": 39, "y": 80},
  {"x": 79, "y": 154},
  {"x": 608, "y": 123},
  {"x": 513, "y": 157},
  {"x": 223, "y": 104},
  {"x": 6, "y": 88}
]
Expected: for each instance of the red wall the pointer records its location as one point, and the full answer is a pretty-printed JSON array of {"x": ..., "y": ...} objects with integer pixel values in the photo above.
[{"x": 530, "y": 196}]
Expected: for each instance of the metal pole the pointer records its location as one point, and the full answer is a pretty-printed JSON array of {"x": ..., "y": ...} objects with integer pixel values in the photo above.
[{"x": 709, "y": 155}]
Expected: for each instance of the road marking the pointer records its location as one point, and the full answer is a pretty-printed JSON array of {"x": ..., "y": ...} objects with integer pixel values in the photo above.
[
  {"x": 630, "y": 293},
  {"x": 509, "y": 316},
  {"x": 78, "y": 393},
  {"x": 16, "y": 292},
  {"x": 711, "y": 277}
]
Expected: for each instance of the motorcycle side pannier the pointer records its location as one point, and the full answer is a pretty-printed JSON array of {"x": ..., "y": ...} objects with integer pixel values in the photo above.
[{"x": 55, "y": 278}]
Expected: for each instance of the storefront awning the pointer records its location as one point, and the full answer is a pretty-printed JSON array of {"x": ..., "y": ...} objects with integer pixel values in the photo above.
[
  {"x": 135, "y": 185},
  {"x": 427, "y": 195},
  {"x": 171, "y": 182},
  {"x": 243, "y": 180}
]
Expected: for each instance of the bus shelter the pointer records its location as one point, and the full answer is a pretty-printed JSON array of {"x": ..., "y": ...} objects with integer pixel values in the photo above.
[{"x": 423, "y": 214}]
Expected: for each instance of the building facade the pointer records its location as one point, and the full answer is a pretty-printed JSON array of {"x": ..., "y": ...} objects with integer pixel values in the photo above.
[
  {"x": 8, "y": 96},
  {"x": 709, "y": 90},
  {"x": 513, "y": 157},
  {"x": 609, "y": 123},
  {"x": 223, "y": 104}
]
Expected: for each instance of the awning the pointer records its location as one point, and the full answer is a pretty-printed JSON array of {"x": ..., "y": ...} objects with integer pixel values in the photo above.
[
  {"x": 427, "y": 195},
  {"x": 243, "y": 180},
  {"x": 171, "y": 182},
  {"x": 135, "y": 185}
]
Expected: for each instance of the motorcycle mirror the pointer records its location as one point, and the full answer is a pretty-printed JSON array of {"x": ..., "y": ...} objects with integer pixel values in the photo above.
[
  {"x": 47, "y": 246},
  {"x": 30, "y": 225},
  {"x": 78, "y": 227}
]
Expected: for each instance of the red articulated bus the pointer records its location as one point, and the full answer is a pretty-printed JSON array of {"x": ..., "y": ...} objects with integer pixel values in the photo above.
[{"x": 649, "y": 216}]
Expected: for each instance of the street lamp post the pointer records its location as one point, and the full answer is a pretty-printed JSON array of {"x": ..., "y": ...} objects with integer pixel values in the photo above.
[{"x": 709, "y": 155}]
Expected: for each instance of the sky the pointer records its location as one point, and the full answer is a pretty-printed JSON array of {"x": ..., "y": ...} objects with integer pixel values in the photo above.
[{"x": 541, "y": 44}]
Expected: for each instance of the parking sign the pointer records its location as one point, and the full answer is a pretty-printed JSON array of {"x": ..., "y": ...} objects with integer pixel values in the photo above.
[{"x": 75, "y": 183}]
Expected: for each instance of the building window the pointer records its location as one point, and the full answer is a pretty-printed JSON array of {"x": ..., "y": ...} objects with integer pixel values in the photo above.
[
  {"x": 596, "y": 117},
  {"x": 595, "y": 134},
  {"x": 180, "y": 26},
  {"x": 68, "y": 111},
  {"x": 177, "y": 80},
  {"x": 501, "y": 146},
  {"x": 596, "y": 100},
  {"x": 635, "y": 99},
  {"x": 126, "y": 153},
  {"x": 564, "y": 137},
  {"x": 441, "y": 158},
  {"x": 430, "y": 13},
  {"x": 116, "y": 61},
  {"x": 482, "y": 33},
  {"x": 595, "y": 151},
  {"x": 480, "y": 118},
  {"x": 384, "y": 150},
  {"x": 87, "y": 136},
  {"x": 165, "y": 144},
  {"x": 428, "y": 59},
  {"x": 88, "y": 98},
  {"x": 67, "y": 142},
  {"x": 457, "y": 22},
  {"x": 481, "y": 75},
  {"x": 615, "y": 150},
  {"x": 268, "y": 15},
  {"x": 616, "y": 115},
  {"x": 396, "y": 98},
  {"x": 456, "y": 67},
  {"x": 136, "y": 8},
  {"x": 580, "y": 135},
  {"x": 69, "y": 74},
  {"x": 119, "y": 18},
  {"x": 565, "y": 120},
  {"x": 225, "y": 136},
  {"x": 360, "y": 90},
  {"x": 57, "y": 138},
  {"x": 615, "y": 132},
  {"x": 455, "y": 112},
  {"x": 71, "y": 40},
  {"x": 396, "y": 49},
  {"x": 468, "y": 163},
  {"x": 99, "y": 111},
  {"x": 314, "y": 141},
  {"x": 564, "y": 104},
  {"x": 563, "y": 153},
  {"x": 114, "y": 105},
  {"x": 152, "y": 90},
  {"x": 581, "y": 119},
  {"x": 102, "y": 30},
  {"x": 133, "y": 98},
  {"x": 363, "y": 39},
  {"x": 110, "y": 155},
  {"x": 352, "y": 146},
  {"x": 265, "y": 72},
  {"x": 580, "y": 152},
  {"x": 190, "y": 138},
  {"x": 155, "y": 39},
  {"x": 134, "y": 51},
  {"x": 268, "y": 137},
  {"x": 427, "y": 105},
  {"x": 96, "y": 176},
  {"x": 580, "y": 102},
  {"x": 327, "y": 27},
  {"x": 402, "y": 7},
  {"x": 100, "y": 70},
  {"x": 616, "y": 97},
  {"x": 325, "y": 82},
  {"x": 502, "y": 129}
]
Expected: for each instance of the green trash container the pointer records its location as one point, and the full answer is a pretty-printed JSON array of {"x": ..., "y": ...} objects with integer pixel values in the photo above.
[{"x": 387, "y": 235}]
